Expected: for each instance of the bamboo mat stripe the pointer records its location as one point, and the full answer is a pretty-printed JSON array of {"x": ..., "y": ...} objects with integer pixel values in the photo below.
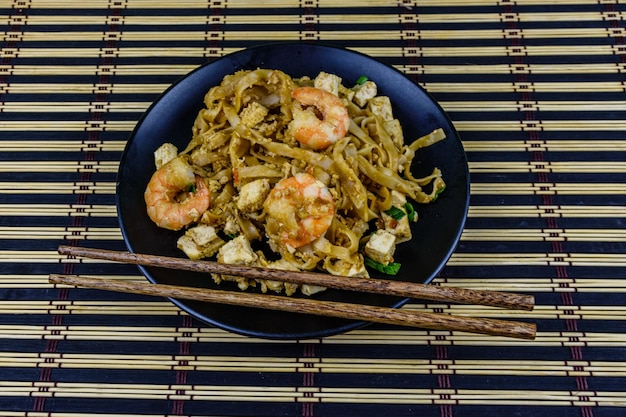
[
  {"x": 512, "y": 145},
  {"x": 313, "y": 365},
  {"x": 378, "y": 52},
  {"x": 469, "y": 234},
  {"x": 560, "y": 211},
  {"x": 457, "y": 107},
  {"x": 457, "y": 259},
  {"x": 449, "y": 87},
  {"x": 111, "y": 167},
  {"x": 548, "y": 285},
  {"x": 292, "y": 393},
  {"x": 167, "y": 309},
  {"x": 251, "y": 4},
  {"x": 108, "y": 334},
  {"x": 477, "y": 188},
  {"x": 19, "y": 69},
  {"x": 190, "y": 36}
]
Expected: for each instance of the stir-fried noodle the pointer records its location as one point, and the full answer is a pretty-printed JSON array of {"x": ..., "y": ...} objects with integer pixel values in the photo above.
[{"x": 315, "y": 171}]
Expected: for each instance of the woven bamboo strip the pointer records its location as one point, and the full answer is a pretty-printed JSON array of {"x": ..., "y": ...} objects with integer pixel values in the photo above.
[
  {"x": 547, "y": 235},
  {"x": 197, "y": 392},
  {"x": 587, "y": 146},
  {"x": 59, "y": 166},
  {"x": 61, "y": 146},
  {"x": 457, "y": 259},
  {"x": 517, "y": 284},
  {"x": 116, "y": 308},
  {"x": 55, "y": 233},
  {"x": 59, "y": 125},
  {"x": 561, "y": 339},
  {"x": 73, "y": 107},
  {"x": 179, "y": 69},
  {"x": 477, "y": 188},
  {"x": 373, "y": 337},
  {"x": 549, "y": 188},
  {"x": 82, "y": 88},
  {"x": 136, "y": 69},
  {"x": 91, "y": 308},
  {"x": 204, "y": 35},
  {"x": 586, "y": 211},
  {"x": 78, "y": 88},
  {"x": 578, "y": 167},
  {"x": 591, "y": 145},
  {"x": 463, "y": 125},
  {"x": 530, "y": 87},
  {"x": 314, "y": 365},
  {"x": 467, "y": 87},
  {"x": 79, "y": 210},
  {"x": 252, "y": 4},
  {"x": 456, "y": 106},
  {"x": 514, "y": 235},
  {"x": 57, "y": 210},
  {"x": 538, "y": 259},
  {"x": 507, "y": 106},
  {"x": 418, "y": 51},
  {"x": 508, "y": 284},
  {"x": 57, "y": 188}
]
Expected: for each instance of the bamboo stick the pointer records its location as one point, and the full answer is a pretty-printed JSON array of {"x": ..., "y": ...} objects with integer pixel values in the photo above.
[
  {"x": 310, "y": 306},
  {"x": 379, "y": 286}
]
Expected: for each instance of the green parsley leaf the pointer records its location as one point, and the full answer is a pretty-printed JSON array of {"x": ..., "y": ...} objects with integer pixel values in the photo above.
[
  {"x": 192, "y": 188},
  {"x": 362, "y": 79},
  {"x": 391, "y": 268},
  {"x": 395, "y": 213}
]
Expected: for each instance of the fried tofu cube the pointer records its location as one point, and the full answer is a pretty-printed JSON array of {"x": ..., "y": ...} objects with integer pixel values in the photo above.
[
  {"x": 364, "y": 92},
  {"x": 237, "y": 252},
  {"x": 328, "y": 82},
  {"x": 164, "y": 154},
  {"x": 400, "y": 228},
  {"x": 253, "y": 114},
  {"x": 252, "y": 195},
  {"x": 381, "y": 246},
  {"x": 199, "y": 242},
  {"x": 381, "y": 107},
  {"x": 191, "y": 248},
  {"x": 203, "y": 234}
]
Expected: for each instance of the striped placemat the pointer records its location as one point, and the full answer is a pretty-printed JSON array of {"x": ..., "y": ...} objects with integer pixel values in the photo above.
[{"x": 536, "y": 90}]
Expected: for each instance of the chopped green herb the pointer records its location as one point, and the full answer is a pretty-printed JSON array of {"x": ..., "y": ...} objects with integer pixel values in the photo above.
[
  {"x": 192, "y": 188},
  {"x": 231, "y": 235},
  {"x": 391, "y": 268},
  {"x": 410, "y": 211},
  {"x": 362, "y": 79},
  {"x": 395, "y": 213},
  {"x": 438, "y": 192}
]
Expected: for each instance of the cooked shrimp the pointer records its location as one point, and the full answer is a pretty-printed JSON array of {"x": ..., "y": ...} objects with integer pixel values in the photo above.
[
  {"x": 175, "y": 196},
  {"x": 306, "y": 126},
  {"x": 300, "y": 209}
]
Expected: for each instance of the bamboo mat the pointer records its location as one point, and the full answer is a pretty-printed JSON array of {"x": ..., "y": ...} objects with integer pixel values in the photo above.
[{"x": 538, "y": 94}]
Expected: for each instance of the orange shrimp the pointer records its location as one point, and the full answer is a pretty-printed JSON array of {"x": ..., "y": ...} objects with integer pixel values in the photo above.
[
  {"x": 300, "y": 209},
  {"x": 170, "y": 203},
  {"x": 307, "y": 128}
]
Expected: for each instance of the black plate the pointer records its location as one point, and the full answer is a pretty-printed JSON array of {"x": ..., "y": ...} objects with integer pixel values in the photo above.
[{"x": 170, "y": 118}]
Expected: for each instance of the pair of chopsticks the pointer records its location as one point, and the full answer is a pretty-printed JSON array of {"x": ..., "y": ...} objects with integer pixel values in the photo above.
[{"x": 385, "y": 315}]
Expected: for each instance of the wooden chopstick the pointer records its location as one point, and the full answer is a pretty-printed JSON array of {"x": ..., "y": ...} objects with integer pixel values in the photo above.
[
  {"x": 385, "y": 315},
  {"x": 378, "y": 286}
]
